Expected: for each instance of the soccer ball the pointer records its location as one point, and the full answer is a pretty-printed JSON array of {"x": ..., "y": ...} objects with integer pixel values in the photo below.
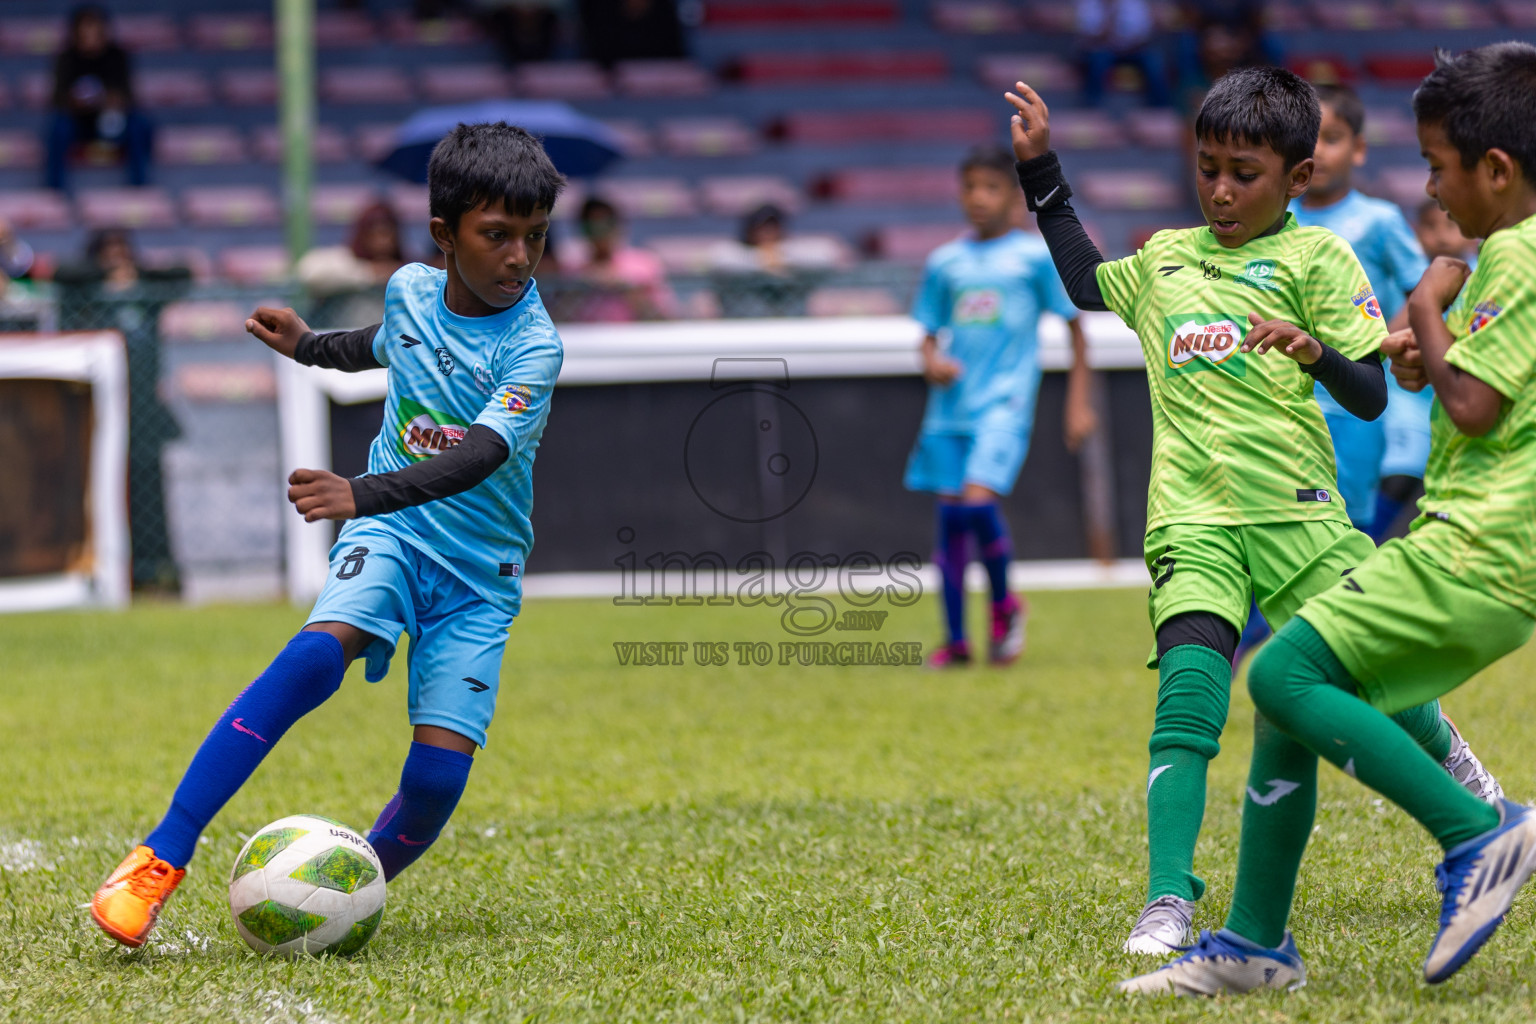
[{"x": 306, "y": 884}]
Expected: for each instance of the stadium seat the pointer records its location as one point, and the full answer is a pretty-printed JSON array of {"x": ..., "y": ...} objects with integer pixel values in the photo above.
[
  {"x": 1403, "y": 185},
  {"x": 329, "y": 145},
  {"x": 649, "y": 197},
  {"x": 795, "y": 13},
  {"x": 35, "y": 210},
  {"x": 1043, "y": 71},
  {"x": 253, "y": 264},
  {"x": 6, "y": 99},
  {"x": 562, "y": 80},
  {"x": 1287, "y": 17},
  {"x": 831, "y": 128},
  {"x": 231, "y": 30},
  {"x": 193, "y": 257},
  {"x": 1399, "y": 68},
  {"x": 460, "y": 83},
  {"x": 1157, "y": 128},
  {"x": 910, "y": 243},
  {"x": 37, "y": 90},
  {"x": 849, "y": 301},
  {"x": 147, "y": 33},
  {"x": 32, "y": 37},
  {"x": 840, "y": 66},
  {"x": 684, "y": 254},
  {"x": 146, "y": 207},
  {"x": 1517, "y": 14},
  {"x": 889, "y": 185},
  {"x": 634, "y": 136},
  {"x": 707, "y": 136},
  {"x": 1051, "y": 16},
  {"x": 977, "y": 17},
  {"x": 197, "y": 320},
  {"x": 1087, "y": 129},
  {"x": 1323, "y": 68},
  {"x": 735, "y": 195},
  {"x": 373, "y": 141},
  {"x": 365, "y": 83},
  {"x": 405, "y": 30},
  {"x": 1450, "y": 15},
  {"x": 1355, "y": 15},
  {"x": 160, "y": 88},
  {"x": 231, "y": 206},
  {"x": 224, "y": 382},
  {"x": 661, "y": 78},
  {"x": 410, "y": 204},
  {"x": 20, "y": 150},
  {"x": 1390, "y": 126},
  {"x": 568, "y": 209},
  {"x": 195, "y": 144},
  {"x": 1131, "y": 190},
  {"x": 344, "y": 30},
  {"x": 248, "y": 87},
  {"x": 340, "y": 203}
]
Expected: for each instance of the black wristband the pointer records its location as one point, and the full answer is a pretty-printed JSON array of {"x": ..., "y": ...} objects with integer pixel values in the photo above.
[{"x": 1045, "y": 186}]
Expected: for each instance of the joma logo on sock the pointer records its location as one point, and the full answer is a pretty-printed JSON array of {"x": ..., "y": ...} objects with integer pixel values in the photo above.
[{"x": 1279, "y": 789}]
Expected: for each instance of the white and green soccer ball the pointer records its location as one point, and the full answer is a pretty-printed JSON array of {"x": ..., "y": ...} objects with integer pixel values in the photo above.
[{"x": 306, "y": 884}]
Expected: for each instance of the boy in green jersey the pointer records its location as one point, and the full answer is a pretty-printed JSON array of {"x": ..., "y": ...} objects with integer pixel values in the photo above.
[
  {"x": 1242, "y": 502},
  {"x": 1426, "y": 612}
]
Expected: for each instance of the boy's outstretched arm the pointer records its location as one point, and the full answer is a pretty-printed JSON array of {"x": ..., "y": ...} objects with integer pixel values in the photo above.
[
  {"x": 1472, "y": 404},
  {"x": 284, "y": 332},
  {"x": 1046, "y": 193}
]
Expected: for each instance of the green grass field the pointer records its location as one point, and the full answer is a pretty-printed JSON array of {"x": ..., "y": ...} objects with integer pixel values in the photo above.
[{"x": 701, "y": 844}]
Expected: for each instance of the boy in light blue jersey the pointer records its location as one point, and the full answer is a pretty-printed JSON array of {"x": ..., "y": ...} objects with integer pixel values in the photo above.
[
  {"x": 438, "y": 531},
  {"x": 979, "y": 304}
]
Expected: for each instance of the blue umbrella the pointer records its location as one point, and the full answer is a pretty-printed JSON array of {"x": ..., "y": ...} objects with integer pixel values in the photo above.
[{"x": 577, "y": 145}]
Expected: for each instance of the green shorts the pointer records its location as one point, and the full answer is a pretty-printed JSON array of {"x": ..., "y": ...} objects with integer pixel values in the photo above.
[
  {"x": 1219, "y": 569},
  {"x": 1409, "y": 632}
]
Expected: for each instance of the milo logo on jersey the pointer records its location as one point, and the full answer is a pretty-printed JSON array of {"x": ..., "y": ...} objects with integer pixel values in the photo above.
[
  {"x": 424, "y": 432},
  {"x": 1201, "y": 341},
  {"x": 978, "y": 306}
]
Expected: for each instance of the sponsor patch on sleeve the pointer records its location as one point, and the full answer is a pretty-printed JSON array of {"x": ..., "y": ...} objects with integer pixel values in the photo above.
[
  {"x": 1483, "y": 314},
  {"x": 516, "y": 398},
  {"x": 1365, "y": 302}
]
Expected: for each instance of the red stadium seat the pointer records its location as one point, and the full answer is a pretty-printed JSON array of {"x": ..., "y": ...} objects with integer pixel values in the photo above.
[
  {"x": 196, "y": 320},
  {"x": 649, "y": 197},
  {"x": 840, "y": 66},
  {"x": 1355, "y": 15},
  {"x": 657, "y": 78},
  {"x": 1450, "y": 15},
  {"x": 37, "y": 90},
  {"x": 195, "y": 144},
  {"x": 1287, "y": 17},
  {"x": 248, "y": 87},
  {"x": 20, "y": 149},
  {"x": 1045, "y": 72},
  {"x": 1131, "y": 190},
  {"x": 406, "y": 30},
  {"x": 376, "y": 84},
  {"x": 231, "y": 206},
  {"x": 1390, "y": 126},
  {"x": 1518, "y": 14},
  {"x": 147, "y": 207},
  {"x": 891, "y": 185},
  {"x": 735, "y": 195},
  {"x": 147, "y": 33},
  {"x": 329, "y": 144},
  {"x": 634, "y": 136},
  {"x": 1051, "y": 16},
  {"x": 344, "y": 30},
  {"x": 36, "y": 37},
  {"x": 373, "y": 141},
  {"x": 977, "y": 17},
  {"x": 562, "y": 80},
  {"x": 460, "y": 83},
  {"x": 1323, "y": 68},
  {"x": 410, "y": 204},
  {"x": 830, "y": 128},
  {"x": 253, "y": 264},
  {"x": 1403, "y": 185},
  {"x": 340, "y": 204},
  {"x": 35, "y": 210},
  {"x": 1087, "y": 129},
  {"x": 159, "y": 88},
  {"x": 1399, "y": 69},
  {"x": 193, "y": 257},
  {"x": 790, "y": 13},
  {"x": 1157, "y": 128},
  {"x": 685, "y": 254},
  {"x": 707, "y": 136},
  {"x": 231, "y": 31},
  {"x": 910, "y": 243},
  {"x": 848, "y": 301}
]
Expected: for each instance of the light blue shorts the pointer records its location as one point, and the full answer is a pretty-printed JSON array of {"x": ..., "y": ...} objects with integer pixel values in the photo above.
[
  {"x": 1407, "y": 425},
  {"x": 945, "y": 463},
  {"x": 384, "y": 586},
  {"x": 1357, "y": 450}
]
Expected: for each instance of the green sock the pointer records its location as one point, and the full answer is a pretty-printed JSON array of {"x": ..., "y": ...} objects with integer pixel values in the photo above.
[
  {"x": 1193, "y": 686},
  {"x": 1428, "y": 729}
]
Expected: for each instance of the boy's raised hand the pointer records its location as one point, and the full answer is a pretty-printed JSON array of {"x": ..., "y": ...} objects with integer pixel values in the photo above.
[
  {"x": 278, "y": 329},
  {"x": 1031, "y": 126},
  {"x": 1288, "y": 338},
  {"x": 1442, "y": 282}
]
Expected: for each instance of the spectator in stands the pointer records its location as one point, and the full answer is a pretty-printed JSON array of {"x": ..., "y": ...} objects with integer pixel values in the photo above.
[
  {"x": 523, "y": 30},
  {"x": 1222, "y": 35},
  {"x": 616, "y": 30},
  {"x": 622, "y": 282},
  {"x": 16, "y": 256},
  {"x": 767, "y": 273},
  {"x": 1112, "y": 32},
  {"x": 93, "y": 100},
  {"x": 347, "y": 281}
]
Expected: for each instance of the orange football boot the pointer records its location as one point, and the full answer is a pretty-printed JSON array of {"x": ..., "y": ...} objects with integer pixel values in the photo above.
[{"x": 129, "y": 901}]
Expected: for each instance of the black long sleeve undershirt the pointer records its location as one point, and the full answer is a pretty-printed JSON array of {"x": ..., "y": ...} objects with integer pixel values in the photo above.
[
  {"x": 1077, "y": 259},
  {"x": 456, "y": 470},
  {"x": 1360, "y": 386},
  {"x": 349, "y": 351}
]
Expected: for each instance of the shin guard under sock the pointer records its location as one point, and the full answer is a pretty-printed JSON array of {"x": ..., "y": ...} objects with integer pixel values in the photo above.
[{"x": 430, "y": 786}]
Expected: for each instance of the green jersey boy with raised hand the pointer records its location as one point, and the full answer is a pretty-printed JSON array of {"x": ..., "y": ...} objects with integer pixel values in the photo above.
[{"x": 1243, "y": 496}]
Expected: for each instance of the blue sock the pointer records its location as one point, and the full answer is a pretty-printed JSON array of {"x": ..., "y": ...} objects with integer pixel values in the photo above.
[
  {"x": 954, "y": 527},
  {"x": 430, "y": 786},
  {"x": 995, "y": 544},
  {"x": 299, "y": 680}
]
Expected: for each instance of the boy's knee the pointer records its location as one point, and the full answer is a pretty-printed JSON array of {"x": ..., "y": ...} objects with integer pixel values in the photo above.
[{"x": 1268, "y": 679}]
